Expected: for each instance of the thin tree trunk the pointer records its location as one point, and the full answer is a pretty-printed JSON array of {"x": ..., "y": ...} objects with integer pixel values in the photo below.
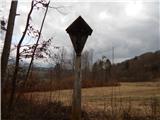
[
  {"x": 14, "y": 79},
  {"x": 31, "y": 62},
  {"x": 33, "y": 54}
]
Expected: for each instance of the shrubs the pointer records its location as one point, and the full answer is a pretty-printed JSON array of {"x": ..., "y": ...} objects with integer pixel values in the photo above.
[{"x": 29, "y": 110}]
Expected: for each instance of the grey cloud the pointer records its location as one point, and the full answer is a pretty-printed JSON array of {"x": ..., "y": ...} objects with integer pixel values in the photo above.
[{"x": 130, "y": 36}]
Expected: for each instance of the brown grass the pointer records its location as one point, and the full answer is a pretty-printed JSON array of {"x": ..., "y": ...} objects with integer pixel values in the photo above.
[
  {"x": 139, "y": 93},
  {"x": 130, "y": 101}
]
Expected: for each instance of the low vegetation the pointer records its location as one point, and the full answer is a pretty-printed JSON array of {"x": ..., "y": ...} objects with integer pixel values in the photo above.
[
  {"x": 48, "y": 93},
  {"x": 129, "y": 101}
]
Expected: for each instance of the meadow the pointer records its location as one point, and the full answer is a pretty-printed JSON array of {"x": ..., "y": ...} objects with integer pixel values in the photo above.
[{"x": 132, "y": 99}]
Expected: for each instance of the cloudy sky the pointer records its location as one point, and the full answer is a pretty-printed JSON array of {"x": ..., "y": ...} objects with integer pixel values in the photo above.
[{"x": 132, "y": 27}]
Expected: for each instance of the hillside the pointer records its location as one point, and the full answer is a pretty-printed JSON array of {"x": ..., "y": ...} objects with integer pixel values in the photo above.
[{"x": 140, "y": 68}]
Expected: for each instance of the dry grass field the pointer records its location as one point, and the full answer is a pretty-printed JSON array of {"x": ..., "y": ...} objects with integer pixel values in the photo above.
[
  {"x": 137, "y": 95},
  {"x": 129, "y": 101}
]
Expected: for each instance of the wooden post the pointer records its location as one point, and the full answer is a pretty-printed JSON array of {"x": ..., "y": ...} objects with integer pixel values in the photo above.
[
  {"x": 7, "y": 42},
  {"x": 76, "y": 110},
  {"x": 78, "y": 31}
]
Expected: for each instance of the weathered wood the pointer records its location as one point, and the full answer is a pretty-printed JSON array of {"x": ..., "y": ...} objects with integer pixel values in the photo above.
[
  {"x": 78, "y": 31},
  {"x": 76, "y": 107},
  {"x": 7, "y": 42}
]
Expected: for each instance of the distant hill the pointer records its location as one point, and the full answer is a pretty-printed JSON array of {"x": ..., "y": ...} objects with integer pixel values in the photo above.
[{"x": 145, "y": 67}]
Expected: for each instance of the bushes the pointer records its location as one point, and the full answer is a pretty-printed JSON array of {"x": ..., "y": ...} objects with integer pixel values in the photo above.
[{"x": 29, "y": 110}]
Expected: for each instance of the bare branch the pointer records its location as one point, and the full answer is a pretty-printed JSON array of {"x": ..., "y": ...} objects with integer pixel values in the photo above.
[
  {"x": 59, "y": 9},
  {"x": 36, "y": 43}
]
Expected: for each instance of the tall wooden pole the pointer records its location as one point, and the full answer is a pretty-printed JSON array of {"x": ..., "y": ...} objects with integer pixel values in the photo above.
[
  {"x": 8, "y": 39},
  {"x": 78, "y": 31},
  {"x": 76, "y": 110}
]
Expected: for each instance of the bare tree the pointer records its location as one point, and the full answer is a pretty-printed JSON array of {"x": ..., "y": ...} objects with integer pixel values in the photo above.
[
  {"x": 18, "y": 53},
  {"x": 36, "y": 45},
  {"x": 73, "y": 57},
  {"x": 101, "y": 71},
  {"x": 33, "y": 50},
  {"x": 87, "y": 58},
  {"x": 12, "y": 95},
  {"x": 85, "y": 64}
]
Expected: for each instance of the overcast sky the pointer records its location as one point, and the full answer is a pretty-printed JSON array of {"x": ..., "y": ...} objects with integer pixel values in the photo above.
[{"x": 132, "y": 27}]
